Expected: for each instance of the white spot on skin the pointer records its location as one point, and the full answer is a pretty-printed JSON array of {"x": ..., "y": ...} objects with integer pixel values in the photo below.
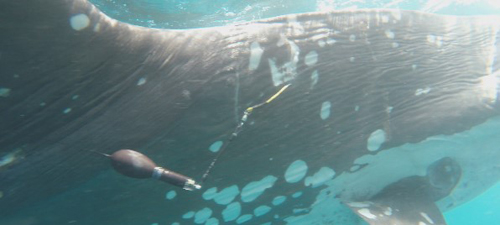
[
  {"x": 366, "y": 213},
  {"x": 376, "y": 139},
  {"x": 330, "y": 41},
  {"x": 395, "y": 45},
  {"x": 141, "y": 81},
  {"x": 254, "y": 189},
  {"x": 389, "y": 109},
  {"x": 261, "y": 210},
  {"x": 276, "y": 74},
  {"x": 231, "y": 212},
  {"x": 352, "y": 59},
  {"x": 439, "y": 41},
  {"x": 489, "y": 86},
  {"x": 414, "y": 67},
  {"x": 311, "y": 58},
  {"x": 421, "y": 223},
  {"x": 421, "y": 91},
  {"x": 67, "y": 110},
  {"x": 283, "y": 74},
  {"x": 255, "y": 55},
  {"x": 426, "y": 217},
  {"x": 296, "y": 171},
  {"x": 42, "y": 104},
  {"x": 321, "y": 43},
  {"x": 325, "y": 110},
  {"x": 79, "y": 22},
  {"x": 356, "y": 108},
  {"x": 202, "y": 215},
  {"x": 75, "y": 97},
  {"x": 188, "y": 215},
  {"x": 297, "y": 194},
  {"x": 303, "y": 210},
  {"x": 389, "y": 34},
  {"x": 354, "y": 168},
  {"x": 4, "y": 92},
  {"x": 244, "y": 218},
  {"x": 359, "y": 204},
  {"x": 294, "y": 52},
  {"x": 288, "y": 71},
  {"x": 388, "y": 211},
  {"x": 278, "y": 200},
  {"x": 215, "y": 147},
  {"x": 319, "y": 178},
  {"x": 227, "y": 195},
  {"x": 314, "y": 78},
  {"x": 352, "y": 37},
  {"x": 212, "y": 221},
  {"x": 431, "y": 38},
  {"x": 171, "y": 195},
  {"x": 210, "y": 193}
]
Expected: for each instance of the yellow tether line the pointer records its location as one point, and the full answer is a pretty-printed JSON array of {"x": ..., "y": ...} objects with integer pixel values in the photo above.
[
  {"x": 247, "y": 112},
  {"x": 250, "y": 109}
]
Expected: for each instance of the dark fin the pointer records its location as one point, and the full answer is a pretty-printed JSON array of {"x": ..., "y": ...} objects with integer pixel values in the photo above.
[
  {"x": 398, "y": 211},
  {"x": 410, "y": 201}
]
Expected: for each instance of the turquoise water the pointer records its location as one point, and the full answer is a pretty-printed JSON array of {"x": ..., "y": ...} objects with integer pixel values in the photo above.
[
  {"x": 481, "y": 210},
  {"x": 180, "y": 14}
]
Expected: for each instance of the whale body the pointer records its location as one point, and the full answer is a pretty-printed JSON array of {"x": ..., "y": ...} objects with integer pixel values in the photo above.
[{"x": 391, "y": 116}]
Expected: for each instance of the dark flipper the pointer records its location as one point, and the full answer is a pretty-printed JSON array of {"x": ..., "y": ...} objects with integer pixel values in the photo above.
[
  {"x": 410, "y": 201},
  {"x": 402, "y": 209}
]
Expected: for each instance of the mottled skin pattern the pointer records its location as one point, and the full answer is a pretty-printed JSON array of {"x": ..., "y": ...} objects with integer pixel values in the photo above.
[{"x": 198, "y": 83}]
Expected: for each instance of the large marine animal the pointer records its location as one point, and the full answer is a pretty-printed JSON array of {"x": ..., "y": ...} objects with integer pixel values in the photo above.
[{"x": 390, "y": 117}]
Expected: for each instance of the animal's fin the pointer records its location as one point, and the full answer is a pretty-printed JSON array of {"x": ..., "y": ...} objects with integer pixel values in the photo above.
[
  {"x": 410, "y": 201},
  {"x": 400, "y": 209}
]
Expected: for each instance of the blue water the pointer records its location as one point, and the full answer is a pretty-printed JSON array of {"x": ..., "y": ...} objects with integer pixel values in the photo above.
[
  {"x": 181, "y": 14},
  {"x": 484, "y": 209}
]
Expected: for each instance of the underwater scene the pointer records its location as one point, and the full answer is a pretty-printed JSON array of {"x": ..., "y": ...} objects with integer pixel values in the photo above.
[{"x": 267, "y": 112}]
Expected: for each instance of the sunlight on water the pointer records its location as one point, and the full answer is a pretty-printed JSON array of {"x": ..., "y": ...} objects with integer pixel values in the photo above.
[{"x": 207, "y": 13}]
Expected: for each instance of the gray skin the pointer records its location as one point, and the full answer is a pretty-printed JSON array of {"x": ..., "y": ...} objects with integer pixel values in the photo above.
[{"x": 414, "y": 76}]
